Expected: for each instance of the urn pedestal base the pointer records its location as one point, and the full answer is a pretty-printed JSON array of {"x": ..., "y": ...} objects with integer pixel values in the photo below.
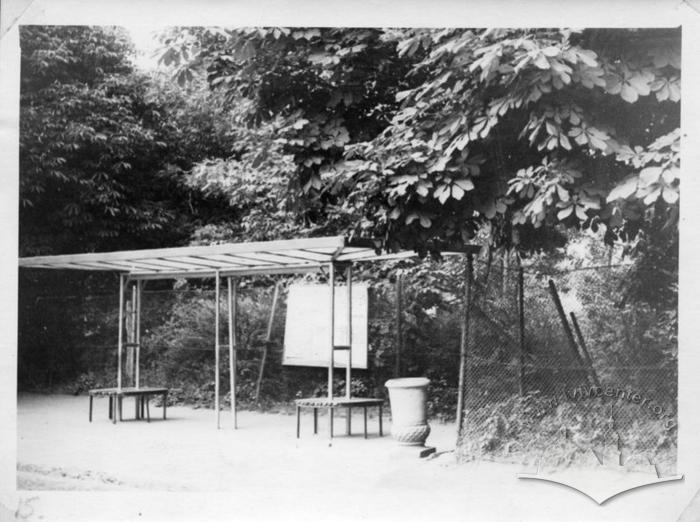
[
  {"x": 411, "y": 452},
  {"x": 410, "y": 435}
]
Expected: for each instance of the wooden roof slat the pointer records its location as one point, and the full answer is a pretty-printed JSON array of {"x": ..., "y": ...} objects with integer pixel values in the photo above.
[
  {"x": 228, "y": 260},
  {"x": 323, "y": 250},
  {"x": 299, "y": 269},
  {"x": 352, "y": 255},
  {"x": 370, "y": 255},
  {"x": 297, "y": 256},
  {"x": 273, "y": 258},
  {"x": 172, "y": 264},
  {"x": 318, "y": 256},
  {"x": 76, "y": 266},
  {"x": 205, "y": 262},
  {"x": 120, "y": 265}
]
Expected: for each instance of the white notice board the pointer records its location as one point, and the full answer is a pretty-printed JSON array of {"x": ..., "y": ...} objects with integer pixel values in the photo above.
[{"x": 307, "y": 328}]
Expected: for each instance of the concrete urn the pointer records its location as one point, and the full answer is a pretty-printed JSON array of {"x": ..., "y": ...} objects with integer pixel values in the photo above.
[{"x": 409, "y": 416}]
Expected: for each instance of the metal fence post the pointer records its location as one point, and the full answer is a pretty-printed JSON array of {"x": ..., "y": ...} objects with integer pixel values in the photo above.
[{"x": 464, "y": 341}]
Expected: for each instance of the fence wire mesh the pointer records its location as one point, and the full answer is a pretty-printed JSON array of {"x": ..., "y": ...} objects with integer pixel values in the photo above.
[{"x": 590, "y": 380}]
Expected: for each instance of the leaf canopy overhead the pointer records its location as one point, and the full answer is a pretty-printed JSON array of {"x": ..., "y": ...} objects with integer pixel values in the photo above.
[{"x": 418, "y": 135}]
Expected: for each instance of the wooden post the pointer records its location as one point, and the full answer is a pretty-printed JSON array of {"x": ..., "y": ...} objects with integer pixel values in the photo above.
[
  {"x": 121, "y": 327},
  {"x": 464, "y": 341},
  {"x": 565, "y": 324},
  {"x": 139, "y": 293},
  {"x": 399, "y": 322},
  {"x": 216, "y": 348},
  {"x": 232, "y": 345},
  {"x": 521, "y": 326},
  {"x": 268, "y": 337},
  {"x": 331, "y": 361},
  {"x": 584, "y": 349}
]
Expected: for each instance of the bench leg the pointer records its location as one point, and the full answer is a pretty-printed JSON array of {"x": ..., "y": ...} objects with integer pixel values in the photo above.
[
  {"x": 120, "y": 401},
  {"x": 137, "y": 413},
  {"x": 381, "y": 432},
  {"x": 90, "y": 408},
  {"x": 165, "y": 403},
  {"x": 148, "y": 410},
  {"x": 365, "y": 415},
  {"x": 110, "y": 407},
  {"x": 330, "y": 422},
  {"x": 315, "y": 421},
  {"x": 299, "y": 419},
  {"x": 348, "y": 420},
  {"x": 113, "y": 404}
]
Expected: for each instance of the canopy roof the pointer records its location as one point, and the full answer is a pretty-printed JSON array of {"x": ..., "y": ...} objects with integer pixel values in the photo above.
[{"x": 262, "y": 257}]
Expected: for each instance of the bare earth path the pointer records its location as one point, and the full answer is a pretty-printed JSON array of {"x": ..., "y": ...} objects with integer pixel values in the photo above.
[{"x": 265, "y": 473}]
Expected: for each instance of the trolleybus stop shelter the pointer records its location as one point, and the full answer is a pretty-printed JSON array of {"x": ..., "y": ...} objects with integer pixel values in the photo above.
[{"x": 229, "y": 262}]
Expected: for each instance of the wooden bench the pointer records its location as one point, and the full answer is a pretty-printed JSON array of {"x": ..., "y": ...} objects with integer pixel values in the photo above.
[
  {"x": 142, "y": 397},
  {"x": 331, "y": 404}
]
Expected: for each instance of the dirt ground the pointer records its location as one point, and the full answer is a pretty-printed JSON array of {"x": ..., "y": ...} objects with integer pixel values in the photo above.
[
  {"x": 267, "y": 473},
  {"x": 59, "y": 449}
]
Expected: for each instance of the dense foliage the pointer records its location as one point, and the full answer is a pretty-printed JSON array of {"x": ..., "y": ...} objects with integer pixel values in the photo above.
[
  {"x": 101, "y": 153},
  {"x": 418, "y": 135}
]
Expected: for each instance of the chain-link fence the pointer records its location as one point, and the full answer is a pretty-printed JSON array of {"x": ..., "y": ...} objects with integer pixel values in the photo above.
[{"x": 560, "y": 369}]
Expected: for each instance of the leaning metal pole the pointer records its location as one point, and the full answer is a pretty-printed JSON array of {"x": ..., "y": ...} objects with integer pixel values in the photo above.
[{"x": 216, "y": 348}]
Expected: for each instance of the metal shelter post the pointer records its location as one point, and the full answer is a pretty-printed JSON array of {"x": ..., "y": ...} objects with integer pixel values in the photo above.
[
  {"x": 121, "y": 327},
  {"x": 133, "y": 341},
  {"x": 521, "y": 326},
  {"x": 139, "y": 288},
  {"x": 216, "y": 348},
  {"x": 348, "y": 368},
  {"x": 399, "y": 323},
  {"x": 130, "y": 332},
  {"x": 331, "y": 361},
  {"x": 232, "y": 342}
]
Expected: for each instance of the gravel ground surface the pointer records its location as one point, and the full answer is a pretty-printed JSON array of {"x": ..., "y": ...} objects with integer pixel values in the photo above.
[{"x": 184, "y": 469}]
